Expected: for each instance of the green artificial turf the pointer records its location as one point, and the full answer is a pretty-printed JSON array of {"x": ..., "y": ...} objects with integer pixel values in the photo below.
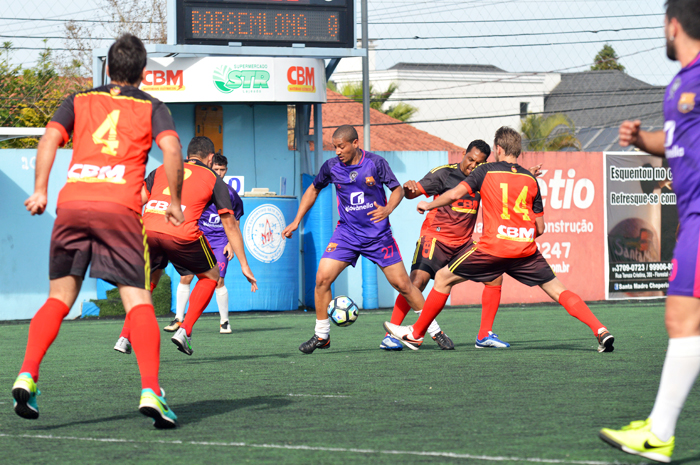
[
  {"x": 162, "y": 298},
  {"x": 252, "y": 397}
]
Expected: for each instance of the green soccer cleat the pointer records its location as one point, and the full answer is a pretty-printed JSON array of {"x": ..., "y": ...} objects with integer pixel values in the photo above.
[
  {"x": 637, "y": 439},
  {"x": 24, "y": 393},
  {"x": 155, "y": 407}
]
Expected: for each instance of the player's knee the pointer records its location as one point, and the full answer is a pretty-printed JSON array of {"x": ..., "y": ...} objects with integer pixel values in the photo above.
[{"x": 323, "y": 281}]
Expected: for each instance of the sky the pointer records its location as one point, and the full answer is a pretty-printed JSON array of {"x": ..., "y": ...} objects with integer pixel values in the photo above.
[{"x": 515, "y": 35}]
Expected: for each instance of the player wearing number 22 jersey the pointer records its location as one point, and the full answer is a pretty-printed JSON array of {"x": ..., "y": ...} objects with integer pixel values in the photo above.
[
  {"x": 363, "y": 229},
  {"x": 513, "y": 218}
]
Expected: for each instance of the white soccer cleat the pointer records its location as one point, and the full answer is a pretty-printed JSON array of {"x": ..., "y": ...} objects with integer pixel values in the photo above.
[
  {"x": 123, "y": 345},
  {"x": 404, "y": 334}
]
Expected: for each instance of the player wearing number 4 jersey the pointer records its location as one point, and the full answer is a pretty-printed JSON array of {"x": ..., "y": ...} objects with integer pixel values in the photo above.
[
  {"x": 98, "y": 219},
  {"x": 363, "y": 228},
  {"x": 654, "y": 438},
  {"x": 513, "y": 217}
]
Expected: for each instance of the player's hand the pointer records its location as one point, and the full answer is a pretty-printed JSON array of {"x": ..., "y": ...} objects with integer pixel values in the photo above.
[
  {"x": 228, "y": 251},
  {"x": 422, "y": 207},
  {"x": 251, "y": 279},
  {"x": 290, "y": 229},
  {"x": 411, "y": 186},
  {"x": 629, "y": 133},
  {"x": 536, "y": 170},
  {"x": 36, "y": 203},
  {"x": 380, "y": 214},
  {"x": 174, "y": 215}
]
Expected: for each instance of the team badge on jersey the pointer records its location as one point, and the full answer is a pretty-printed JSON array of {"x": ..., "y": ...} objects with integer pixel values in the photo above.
[
  {"x": 353, "y": 176},
  {"x": 370, "y": 181},
  {"x": 331, "y": 247},
  {"x": 512, "y": 168},
  {"x": 115, "y": 91},
  {"x": 687, "y": 102},
  {"x": 674, "y": 87}
]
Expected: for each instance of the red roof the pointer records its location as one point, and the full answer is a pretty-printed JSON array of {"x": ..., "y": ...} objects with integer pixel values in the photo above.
[{"x": 395, "y": 136}]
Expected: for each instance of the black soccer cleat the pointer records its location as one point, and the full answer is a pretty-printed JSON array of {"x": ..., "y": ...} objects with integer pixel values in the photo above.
[
  {"x": 444, "y": 341},
  {"x": 605, "y": 341},
  {"x": 315, "y": 343}
]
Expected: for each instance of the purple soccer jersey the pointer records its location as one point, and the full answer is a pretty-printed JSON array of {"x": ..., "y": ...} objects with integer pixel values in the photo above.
[
  {"x": 210, "y": 225},
  {"x": 682, "y": 146},
  {"x": 357, "y": 188}
]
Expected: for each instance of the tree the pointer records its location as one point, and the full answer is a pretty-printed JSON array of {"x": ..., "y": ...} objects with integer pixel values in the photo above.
[
  {"x": 31, "y": 96},
  {"x": 606, "y": 59},
  {"x": 146, "y": 19},
  {"x": 542, "y": 137},
  {"x": 353, "y": 90}
]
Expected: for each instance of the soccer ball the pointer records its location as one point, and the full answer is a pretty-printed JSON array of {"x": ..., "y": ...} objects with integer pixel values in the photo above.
[{"x": 342, "y": 311}]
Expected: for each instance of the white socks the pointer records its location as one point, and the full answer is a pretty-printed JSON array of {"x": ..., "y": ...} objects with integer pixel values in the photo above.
[
  {"x": 434, "y": 327},
  {"x": 182, "y": 295},
  {"x": 680, "y": 370},
  {"x": 323, "y": 328},
  {"x": 222, "y": 301}
]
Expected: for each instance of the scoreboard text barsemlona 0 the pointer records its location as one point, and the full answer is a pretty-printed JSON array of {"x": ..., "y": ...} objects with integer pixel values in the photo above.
[{"x": 316, "y": 23}]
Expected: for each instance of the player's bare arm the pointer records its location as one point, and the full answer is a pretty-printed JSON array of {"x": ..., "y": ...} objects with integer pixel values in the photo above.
[
  {"x": 235, "y": 240},
  {"x": 447, "y": 198},
  {"x": 539, "y": 226},
  {"x": 651, "y": 142},
  {"x": 173, "y": 165},
  {"x": 45, "y": 156},
  {"x": 381, "y": 213},
  {"x": 307, "y": 201},
  {"x": 411, "y": 190}
]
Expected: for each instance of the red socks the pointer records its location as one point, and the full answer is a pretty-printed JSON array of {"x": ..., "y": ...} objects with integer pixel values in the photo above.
[
  {"x": 126, "y": 330},
  {"x": 579, "y": 310},
  {"x": 433, "y": 306},
  {"x": 401, "y": 308},
  {"x": 42, "y": 332},
  {"x": 199, "y": 299},
  {"x": 490, "y": 299},
  {"x": 145, "y": 339}
]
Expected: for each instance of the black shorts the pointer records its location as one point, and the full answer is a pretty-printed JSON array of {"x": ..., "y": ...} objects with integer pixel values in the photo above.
[
  {"x": 188, "y": 257},
  {"x": 431, "y": 255},
  {"x": 105, "y": 235},
  {"x": 475, "y": 265}
]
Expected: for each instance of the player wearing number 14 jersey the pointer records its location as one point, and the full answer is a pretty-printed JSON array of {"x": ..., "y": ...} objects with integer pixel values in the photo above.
[{"x": 513, "y": 218}]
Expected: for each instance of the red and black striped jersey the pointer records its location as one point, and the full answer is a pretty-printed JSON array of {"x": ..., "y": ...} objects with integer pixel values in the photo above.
[
  {"x": 452, "y": 224},
  {"x": 201, "y": 187},
  {"x": 113, "y": 128},
  {"x": 511, "y": 200}
]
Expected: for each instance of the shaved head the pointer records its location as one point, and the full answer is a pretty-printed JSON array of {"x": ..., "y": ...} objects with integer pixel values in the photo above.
[{"x": 346, "y": 133}]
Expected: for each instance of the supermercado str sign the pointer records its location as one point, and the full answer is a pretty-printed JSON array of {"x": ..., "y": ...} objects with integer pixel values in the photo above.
[{"x": 233, "y": 79}]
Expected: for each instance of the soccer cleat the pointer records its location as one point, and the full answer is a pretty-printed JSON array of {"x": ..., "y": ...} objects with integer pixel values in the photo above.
[
  {"x": 24, "y": 393},
  {"x": 315, "y": 343},
  {"x": 182, "y": 341},
  {"x": 173, "y": 326},
  {"x": 390, "y": 343},
  {"x": 605, "y": 341},
  {"x": 637, "y": 439},
  {"x": 404, "y": 334},
  {"x": 123, "y": 345},
  {"x": 155, "y": 407},
  {"x": 491, "y": 341},
  {"x": 225, "y": 328},
  {"x": 444, "y": 341}
]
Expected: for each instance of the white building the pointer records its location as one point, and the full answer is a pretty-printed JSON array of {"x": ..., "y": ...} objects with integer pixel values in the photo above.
[{"x": 458, "y": 103}]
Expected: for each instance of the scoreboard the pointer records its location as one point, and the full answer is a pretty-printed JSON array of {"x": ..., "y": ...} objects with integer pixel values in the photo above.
[{"x": 314, "y": 23}]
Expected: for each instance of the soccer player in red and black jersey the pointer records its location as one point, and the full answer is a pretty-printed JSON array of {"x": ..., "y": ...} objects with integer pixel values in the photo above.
[
  {"x": 513, "y": 218},
  {"x": 186, "y": 246},
  {"x": 98, "y": 217}
]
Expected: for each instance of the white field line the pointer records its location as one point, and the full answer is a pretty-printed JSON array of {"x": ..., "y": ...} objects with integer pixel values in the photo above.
[
  {"x": 313, "y": 448},
  {"x": 311, "y": 395}
]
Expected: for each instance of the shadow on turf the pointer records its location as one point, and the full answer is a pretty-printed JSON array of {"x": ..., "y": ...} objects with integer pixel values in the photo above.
[
  {"x": 193, "y": 412},
  {"x": 694, "y": 459}
]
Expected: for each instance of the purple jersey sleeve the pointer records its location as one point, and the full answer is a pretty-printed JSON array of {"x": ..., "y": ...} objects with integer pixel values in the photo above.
[
  {"x": 386, "y": 176},
  {"x": 323, "y": 178}
]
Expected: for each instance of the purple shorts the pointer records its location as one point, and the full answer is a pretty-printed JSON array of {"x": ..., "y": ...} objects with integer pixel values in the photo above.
[
  {"x": 685, "y": 275},
  {"x": 347, "y": 247},
  {"x": 217, "y": 245}
]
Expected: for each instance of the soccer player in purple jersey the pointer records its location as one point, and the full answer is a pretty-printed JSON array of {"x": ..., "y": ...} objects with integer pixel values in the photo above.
[
  {"x": 213, "y": 230},
  {"x": 363, "y": 229},
  {"x": 654, "y": 438}
]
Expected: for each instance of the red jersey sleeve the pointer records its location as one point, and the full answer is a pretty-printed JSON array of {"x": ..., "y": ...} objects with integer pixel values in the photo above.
[
  {"x": 149, "y": 181},
  {"x": 433, "y": 183}
]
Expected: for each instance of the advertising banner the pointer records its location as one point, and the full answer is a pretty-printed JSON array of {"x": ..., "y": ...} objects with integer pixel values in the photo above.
[
  {"x": 572, "y": 190},
  {"x": 641, "y": 225},
  {"x": 236, "y": 79}
]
